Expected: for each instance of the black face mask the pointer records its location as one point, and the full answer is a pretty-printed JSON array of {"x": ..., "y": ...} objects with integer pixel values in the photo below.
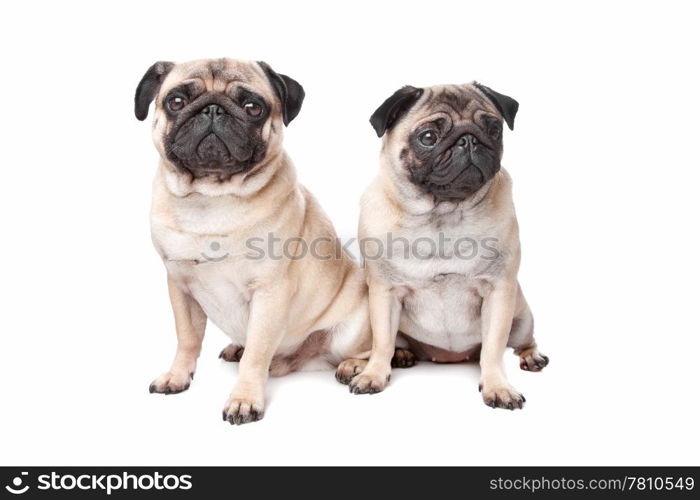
[{"x": 457, "y": 166}]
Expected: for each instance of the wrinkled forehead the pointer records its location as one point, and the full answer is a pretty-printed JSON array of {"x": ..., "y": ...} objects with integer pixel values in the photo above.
[
  {"x": 461, "y": 102},
  {"x": 217, "y": 75}
]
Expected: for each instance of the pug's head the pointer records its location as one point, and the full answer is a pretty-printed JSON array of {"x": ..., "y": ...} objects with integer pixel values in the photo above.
[
  {"x": 445, "y": 140},
  {"x": 219, "y": 118}
]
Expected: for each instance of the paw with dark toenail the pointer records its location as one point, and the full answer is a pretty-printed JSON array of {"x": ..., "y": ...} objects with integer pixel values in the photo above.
[
  {"x": 369, "y": 383},
  {"x": 241, "y": 411},
  {"x": 348, "y": 369},
  {"x": 531, "y": 360},
  {"x": 171, "y": 383},
  {"x": 501, "y": 396}
]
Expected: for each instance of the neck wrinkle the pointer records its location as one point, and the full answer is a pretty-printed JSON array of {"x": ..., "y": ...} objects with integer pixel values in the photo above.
[
  {"x": 182, "y": 184},
  {"x": 405, "y": 195}
]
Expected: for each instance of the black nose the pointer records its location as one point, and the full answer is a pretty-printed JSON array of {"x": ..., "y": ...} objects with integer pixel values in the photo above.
[
  {"x": 212, "y": 110},
  {"x": 467, "y": 141}
]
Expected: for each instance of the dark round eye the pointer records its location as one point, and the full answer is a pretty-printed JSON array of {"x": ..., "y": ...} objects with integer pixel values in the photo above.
[
  {"x": 176, "y": 103},
  {"x": 495, "y": 130},
  {"x": 253, "y": 108},
  {"x": 428, "y": 138}
]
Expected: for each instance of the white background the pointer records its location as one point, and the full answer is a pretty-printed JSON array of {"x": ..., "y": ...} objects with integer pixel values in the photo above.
[{"x": 604, "y": 158}]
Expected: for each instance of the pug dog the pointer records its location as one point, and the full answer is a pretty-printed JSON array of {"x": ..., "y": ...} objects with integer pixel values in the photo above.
[
  {"x": 243, "y": 243},
  {"x": 443, "y": 264}
]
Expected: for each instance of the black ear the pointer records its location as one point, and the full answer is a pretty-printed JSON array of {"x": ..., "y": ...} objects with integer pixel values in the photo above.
[
  {"x": 391, "y": 110},
  {"x": 506, "y": 105},
  {"x": 149, "y": 86},
  {"x": 290, "y": 92}
]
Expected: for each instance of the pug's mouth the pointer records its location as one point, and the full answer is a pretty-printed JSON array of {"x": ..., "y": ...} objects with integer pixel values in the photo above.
[
  {"x": 451, "y": 176},
  {"x": 211, "y": 148},
  {"x": 211, "y": 157},
  {"x": 211, "y": 153},
  {"x": 453, "y": 182}
]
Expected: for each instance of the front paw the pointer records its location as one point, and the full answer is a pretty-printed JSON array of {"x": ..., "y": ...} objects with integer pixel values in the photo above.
[
  {"x": 243, "y": 409},
  {"x": 348, "y": 369},
  {"x": 370, "y": 382},
  {"x": 501, "y": 395},
  {"x": 171, "y": 382}
]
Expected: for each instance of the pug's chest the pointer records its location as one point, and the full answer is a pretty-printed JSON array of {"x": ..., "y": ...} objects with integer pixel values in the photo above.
[
  {"x": 441, "y": 305},
  {"x": 210, "y": 269},
  {"x": 178, "y": 245},
  {"x": 424, "y": 258},
  {"x": 442, "y": 289}
]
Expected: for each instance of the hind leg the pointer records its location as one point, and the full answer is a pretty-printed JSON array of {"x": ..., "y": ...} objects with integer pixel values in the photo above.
[
  {"x": 403, "y": 358},
  {"x": 522, "y": 340}
]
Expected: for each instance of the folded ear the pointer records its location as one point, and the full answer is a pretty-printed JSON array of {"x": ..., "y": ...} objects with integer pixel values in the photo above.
[
  {"x": 393, "y": 108},
  {"x": 289, "y": 91},
  {"x": 506, "y": 105},
  {"x": 149, "y": 86}
]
